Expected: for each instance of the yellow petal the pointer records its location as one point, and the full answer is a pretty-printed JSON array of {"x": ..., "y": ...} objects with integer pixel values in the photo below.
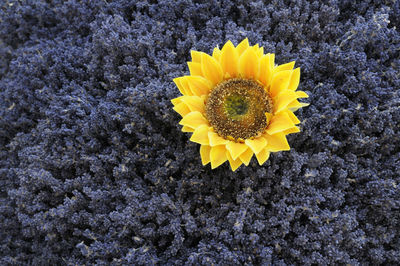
[
  {"x": 265, "y": 74},
  {"x": 272, "y": 61},
  {"x": 245, "y": 157},
  {"x": 287, "y": 66},
  {"x": 194, "y": 103},
  {"x": 182, "y": 109},
  {"x": 187, "y": 129},
  {"x": 216, "y": 53},
  {"x": 293, "y": 106},
  {"x": 279, "y": 123},
  {"x": 200, "y": 135},
  {"x": 182, "y": 85},
  {"x": 233, "y": 163},
  {"x": 257, "y": 144},
  {"x": 199, "y": 85},
  {"x": 262, "y": 156},
  {"x": 242, "y": 46},
  {"x": 258, "y": 50},
  {"x": 268, "y": 116},
  {"x": 294, "y": 118},
  {"x": 280, "y": 82},
  {"x": 291, "y": 130},
  {"x": 216, "y": 139},
  {"x": 249, "y": 64},
  {"x": 283, "y": 99},
  {"x": 211, "y": 69},
  {"x": 196, "y": 56},
  {"x": 236, "y": 149},
  {"x": 294, "y": 80},
  {"x": 177, "y": 100},
  {"x": 276, "y": 142},
  {"x": 193, "y": 120},
  {"x": 195, "y": 69},
  {"x": 229, "y": 59},
  {"x": 301, "y": 94},
  {"x": 205, "y": 154},
  {"x": 217, "y": 156}
]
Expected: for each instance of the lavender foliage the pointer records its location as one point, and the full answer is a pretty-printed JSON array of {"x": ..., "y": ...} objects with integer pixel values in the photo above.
[{"x": 94, "y": 168}]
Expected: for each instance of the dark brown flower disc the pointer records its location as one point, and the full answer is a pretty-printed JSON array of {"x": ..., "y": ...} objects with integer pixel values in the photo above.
[{"x": 236, "y": 109}]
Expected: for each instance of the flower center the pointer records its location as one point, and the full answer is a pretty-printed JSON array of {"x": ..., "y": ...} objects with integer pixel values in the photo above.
[
  {"x": 236, "y": 105},
  {"x": 236, "y": 109}
]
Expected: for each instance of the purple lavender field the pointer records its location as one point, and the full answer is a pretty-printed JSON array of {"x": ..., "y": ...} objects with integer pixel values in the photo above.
[{"x": 95, "y": 170}]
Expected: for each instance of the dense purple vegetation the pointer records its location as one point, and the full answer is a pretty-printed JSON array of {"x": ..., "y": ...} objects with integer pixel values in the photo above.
[{"x": 94, "y": 168}]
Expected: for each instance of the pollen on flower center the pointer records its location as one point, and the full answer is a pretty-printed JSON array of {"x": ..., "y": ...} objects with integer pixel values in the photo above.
[{"x": 236, "y": 109}]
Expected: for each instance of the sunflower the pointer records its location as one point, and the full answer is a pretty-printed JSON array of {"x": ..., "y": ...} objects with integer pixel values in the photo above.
[{"x": 237, "y": 103}]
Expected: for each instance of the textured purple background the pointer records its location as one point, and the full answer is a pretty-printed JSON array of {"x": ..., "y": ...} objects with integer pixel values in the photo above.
[{"x": 94, "y": 168}]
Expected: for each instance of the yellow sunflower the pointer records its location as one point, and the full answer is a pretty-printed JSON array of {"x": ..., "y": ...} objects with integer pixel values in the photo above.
[{"x": 237, "y": 103}]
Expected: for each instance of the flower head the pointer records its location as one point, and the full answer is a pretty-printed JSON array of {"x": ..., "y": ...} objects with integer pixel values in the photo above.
[{"x": 238, "y": 103}]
